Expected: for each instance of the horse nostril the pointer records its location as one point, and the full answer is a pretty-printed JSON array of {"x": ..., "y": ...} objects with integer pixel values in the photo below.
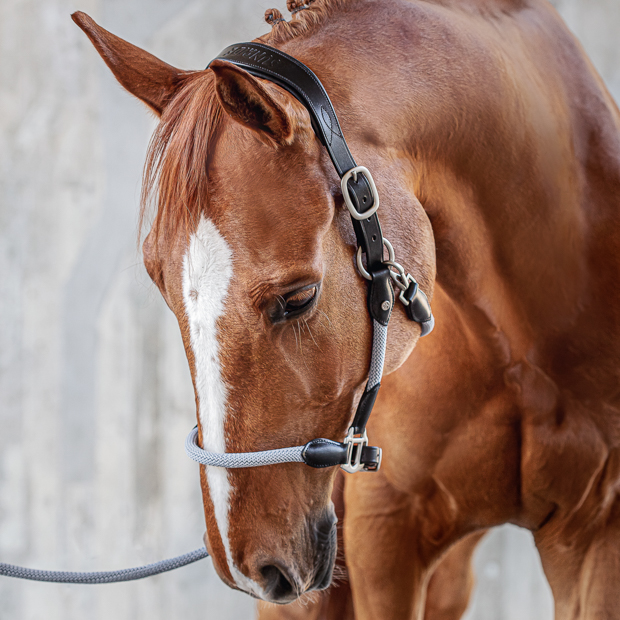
[
  {"x": 278, "y": 585},
  {"x": 325, "y": 553},
  {"x": 325, "y": 532}
]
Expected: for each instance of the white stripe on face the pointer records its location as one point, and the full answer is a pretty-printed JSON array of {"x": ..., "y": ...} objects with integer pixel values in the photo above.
[{"x": 207, "y": 271}]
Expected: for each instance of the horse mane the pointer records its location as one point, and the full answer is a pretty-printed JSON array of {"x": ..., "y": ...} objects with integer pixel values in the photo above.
[
  {"x": 307, "y": 15},
  {"x": 175, "y": 174}
]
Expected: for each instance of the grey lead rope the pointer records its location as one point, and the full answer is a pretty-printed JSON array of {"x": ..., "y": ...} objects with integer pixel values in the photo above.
[
  {"x": 113, "y": 576},
  {"x": 214, "y": 459}
]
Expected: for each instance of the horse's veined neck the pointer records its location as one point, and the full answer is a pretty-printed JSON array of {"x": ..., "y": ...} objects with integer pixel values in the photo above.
[{"x": 438, "y": 90}]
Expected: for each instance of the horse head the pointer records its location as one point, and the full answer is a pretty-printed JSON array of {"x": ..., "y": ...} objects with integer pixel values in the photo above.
[{"x": 254, "y": 252}]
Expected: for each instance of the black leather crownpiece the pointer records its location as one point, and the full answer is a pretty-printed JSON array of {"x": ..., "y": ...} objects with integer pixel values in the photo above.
[
  {"x": 285, "y": 71},
  {"x": 271, "y": 64}
]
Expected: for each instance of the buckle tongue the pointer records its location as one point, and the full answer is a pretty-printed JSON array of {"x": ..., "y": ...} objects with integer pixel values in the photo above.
[{"x": 359, "y": 456}]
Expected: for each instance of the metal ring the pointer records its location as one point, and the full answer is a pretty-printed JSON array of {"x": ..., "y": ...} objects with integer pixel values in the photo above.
[
  {"x": 355, "y": 214},
  {"x": 390, "y": 260},
  {"x": 390, "y": 249},
  {"x": 360, "y": 267},
  {"x": 398, "y": 283}
]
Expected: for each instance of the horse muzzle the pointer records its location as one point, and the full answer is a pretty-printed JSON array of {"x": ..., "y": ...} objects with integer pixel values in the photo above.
[{"x": 283, "y": 580}]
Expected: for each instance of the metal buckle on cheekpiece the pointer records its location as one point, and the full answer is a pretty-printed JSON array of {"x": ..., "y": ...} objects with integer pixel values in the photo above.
[
  {"x": 355, "y": 214},
  {"x": 355, "y": 447}
]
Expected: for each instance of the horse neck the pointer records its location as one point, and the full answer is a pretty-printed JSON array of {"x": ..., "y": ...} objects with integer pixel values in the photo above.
[{"x": 477, "y": 116}]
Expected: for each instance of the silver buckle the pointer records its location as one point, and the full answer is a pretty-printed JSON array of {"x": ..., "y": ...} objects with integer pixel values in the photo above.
[
  {"x": 355, "y": 214},
  {"x": 355, "y": 444}
]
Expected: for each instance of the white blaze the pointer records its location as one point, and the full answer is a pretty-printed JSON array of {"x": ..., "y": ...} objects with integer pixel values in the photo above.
[{"x": 207, "y": 271}]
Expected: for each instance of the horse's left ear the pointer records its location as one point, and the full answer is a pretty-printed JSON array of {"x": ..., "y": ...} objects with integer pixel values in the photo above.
[
  {"x": 151, "y": 80},
  {"x": 257, "y": 105}
]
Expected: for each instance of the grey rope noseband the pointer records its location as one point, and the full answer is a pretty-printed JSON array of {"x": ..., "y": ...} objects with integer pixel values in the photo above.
[
  {"x": 95, "y": 578},
  {"x": 237, "y": 460},
  {"x": 316, "y": 453}
]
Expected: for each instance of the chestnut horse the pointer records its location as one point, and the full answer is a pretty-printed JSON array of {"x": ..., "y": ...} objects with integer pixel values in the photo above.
[{"x": 495, "y": 149}]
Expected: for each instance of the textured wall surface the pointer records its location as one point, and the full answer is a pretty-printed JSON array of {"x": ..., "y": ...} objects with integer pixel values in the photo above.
[{"x": 95, "y": 393}]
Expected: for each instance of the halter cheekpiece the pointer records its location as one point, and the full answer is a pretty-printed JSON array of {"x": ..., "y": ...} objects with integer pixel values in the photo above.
[{"x": 362, "y": 200}]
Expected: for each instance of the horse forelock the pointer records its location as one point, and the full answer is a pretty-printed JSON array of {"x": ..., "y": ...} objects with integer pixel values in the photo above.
[
  {"x": 175, "y": 181},
  {"x": 175, "y": 175}
]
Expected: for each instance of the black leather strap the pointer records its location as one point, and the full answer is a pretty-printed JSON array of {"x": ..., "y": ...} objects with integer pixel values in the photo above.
[
  {"x": 321, "y": 453},
  {"x": 419, "y": 310},
  {"x": 271, "y": 64},
  {"x": 364, "y": 409},
  {"x": 276, "y": 66}
]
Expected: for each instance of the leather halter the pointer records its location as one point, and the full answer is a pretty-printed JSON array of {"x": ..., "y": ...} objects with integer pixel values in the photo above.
[{"x": 362, "y": 200}]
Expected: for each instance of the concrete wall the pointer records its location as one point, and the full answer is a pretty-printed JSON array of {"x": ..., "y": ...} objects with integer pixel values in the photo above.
[{"x": 95, "y": 394}]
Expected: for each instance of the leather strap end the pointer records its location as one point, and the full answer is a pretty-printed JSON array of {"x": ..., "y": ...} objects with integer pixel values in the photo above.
[
  {"x": 321, "y": 453},
  {"x": 427, "y": 326},
  {"x": 419, "y": 308},
  {"x": 364, "y": 409},
  {"x": 371, "y": 458},
  {"x": 381, "y": 295}
]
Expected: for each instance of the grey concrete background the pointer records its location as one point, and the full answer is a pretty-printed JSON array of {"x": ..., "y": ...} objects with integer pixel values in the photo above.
[{"x": 95, "y": 394}]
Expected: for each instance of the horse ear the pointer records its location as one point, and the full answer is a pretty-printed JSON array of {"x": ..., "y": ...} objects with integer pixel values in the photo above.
[
  {"x": 142, "y": 74},
  {"x": 253, "y": 104}
]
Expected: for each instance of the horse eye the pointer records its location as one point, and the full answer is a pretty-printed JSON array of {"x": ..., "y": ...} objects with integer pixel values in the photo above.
[{"x": 297, "y": 302}]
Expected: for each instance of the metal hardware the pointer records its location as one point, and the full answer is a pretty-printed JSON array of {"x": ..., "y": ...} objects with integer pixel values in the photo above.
[
  {"x": 355, "y": 214},
  {"x": 403, "y": 281},
  {"x": 355, "y": 444},
  {"x": 390, "y": 249},
  {"x": 400, "y": 278},
  {"x": 374, "y": 466},
  {"x": 385, "y": 306},
  {"x": 410, "y": 279},
  {"x": 360, "y": 265},
  {"x": 397, "y": 271}
]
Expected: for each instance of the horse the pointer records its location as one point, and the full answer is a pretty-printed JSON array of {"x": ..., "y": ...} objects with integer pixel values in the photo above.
[{"x": 495, "y": 148}]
